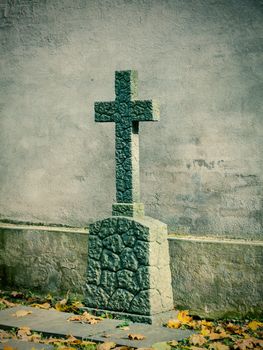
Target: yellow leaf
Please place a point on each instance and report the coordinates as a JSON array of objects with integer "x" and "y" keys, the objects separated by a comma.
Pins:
[
  {"x": 136, "y": 336},
  {"x": 61, "y": 305},
  {"x": 106, "y": 346},
  {"x": 7, "y": 303},
  {"x": 44, "y": 306},
  {"x": 205, "y": 331},
  {"x": 72, "y": 340},
  {"x": 197, "y": 339},
  {"x": 173, "y": 343},
  {"x": 234, "y": 328},
  {"x": 8, "y": 347},
  {"x": 254, "y": 325},
  {"x": 173, "y": 324},
  {"x": 184, "y": 317},
  {"x": 215, "y": 336},
  {"x": 218, "y": 346},
  {"x": 49, "y": 297},
  {"x": 196, "y": 348},
  {"x": 77, "y": 304},
  {"x": 21, "y": 313},
  {"x": 206, "y": 323}
]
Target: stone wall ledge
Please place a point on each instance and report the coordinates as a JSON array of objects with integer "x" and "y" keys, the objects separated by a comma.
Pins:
[
  {"x": 44, "y": 228},
  {"x": 214, "y": 239}
]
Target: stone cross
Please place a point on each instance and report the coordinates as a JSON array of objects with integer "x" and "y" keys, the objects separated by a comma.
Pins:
[
  {"x": 127, "y": 112},
  {"x": 128, "y": 270}
]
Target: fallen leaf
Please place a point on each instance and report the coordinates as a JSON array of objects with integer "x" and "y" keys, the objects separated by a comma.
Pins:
[
  {"x": 173, "y": 324},
  {"x": 21, "y": 313},
  {"x": 7, "y": 303},
  {"x": 44, "y": 306},
  {"x": 24, "y": 333},
  {"x": 136, "y": 336},
  {"x": 173, "y": 342},
  {"x": 184, "y": 317},
  {"x": 254, "y": 325},
  {"x": 49, "y": 297},
  {"x": 61, "y": 305},
  {"x": 4, "y": 334},
  {"x": 206, "y": 323},
  {"x": 192, "y": 347},
  {"x": 234, "y": 328},
  {"x": 85, "y": 318},
  {"x": 24, "y": 330},
  {"x": 77, "y": 304},
  {"x": 218, "y": 346},
  {"x": 72, "y": 340},
  {"x": 205, "y": 331},
  {"x": 8, "y": 347},
  {"x": 197, "y": 339},
  {"x": 249, "y": 343},
  {"x": 106, "y": 346},
  {"x": 216, "y": 336},
  {"x": 36, "y": 338}
]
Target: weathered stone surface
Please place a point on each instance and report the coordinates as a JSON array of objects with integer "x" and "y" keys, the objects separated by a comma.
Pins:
[
  {"x": 128, "y": 209},
  {"x": 130, "y": 276},
  {"x": 96, "y": 295},
  {"x": 95, "y": 247},
  {"x": 128, "y": 259},
  {"x": 143, "y": 276},
  {"x": 50, "y": 259},
  {"x": 120, "y": 300},
  {"x": 205, "y": 178},
  {"x": 141, "y": 303},
  {"x": 126, "y": 113},
  {"x": 94, "y": 272},
  {"x": 128, "y": 280},
  {"x": 223, "y": 279},
  {"x": 109, "y": 260},
  {"x": 114, "y": 243},
  {"x": 108, "y": 281},
  {"x": 141, "y": 251},
  {"x": 129, "y": 238},
  {"x": 106, "y": 228}
]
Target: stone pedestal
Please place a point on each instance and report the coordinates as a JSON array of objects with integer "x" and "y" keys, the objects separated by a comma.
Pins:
[{"x": 128, "y": 269}]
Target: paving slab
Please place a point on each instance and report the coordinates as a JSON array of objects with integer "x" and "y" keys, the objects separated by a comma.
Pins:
[
  {"x": 53, "y": 322},
  {"x": 24, "y": 345}
]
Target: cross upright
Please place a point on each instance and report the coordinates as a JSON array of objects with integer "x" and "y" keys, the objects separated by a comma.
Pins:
[{"x": 127, "y": 112}]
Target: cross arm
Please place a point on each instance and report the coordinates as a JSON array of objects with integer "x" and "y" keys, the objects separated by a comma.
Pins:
[
  {"x": 145, "y": 110},
  {"x": 104, "y": 111}
]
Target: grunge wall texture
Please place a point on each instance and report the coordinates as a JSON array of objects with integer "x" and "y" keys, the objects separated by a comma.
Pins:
[{"x": 201, "y": 165}]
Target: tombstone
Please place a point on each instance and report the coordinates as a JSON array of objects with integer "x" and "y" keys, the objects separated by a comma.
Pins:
[{"x": 128, "y": 259}]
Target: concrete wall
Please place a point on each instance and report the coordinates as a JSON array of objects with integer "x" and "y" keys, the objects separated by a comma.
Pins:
[
  {"x": 201, "y": 165},
  {"x": 47, "y": 259},
  {"x": 210, "y": 277}
]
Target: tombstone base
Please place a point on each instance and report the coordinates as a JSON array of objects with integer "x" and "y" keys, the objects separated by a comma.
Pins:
[
  {"x": 128, "y": 209},
  {"x": 128, "y": 268},
  {"x": 157, "y": 319}
]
